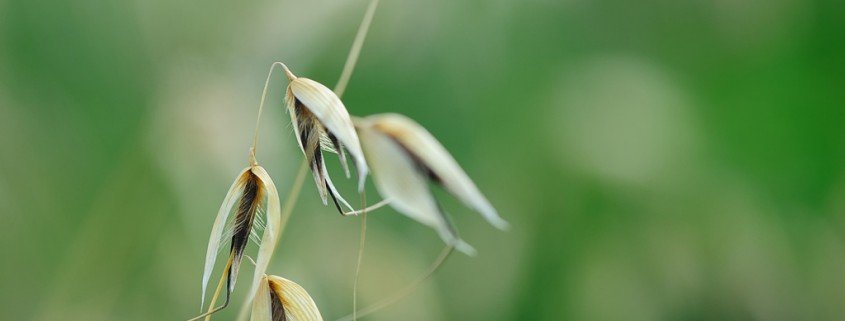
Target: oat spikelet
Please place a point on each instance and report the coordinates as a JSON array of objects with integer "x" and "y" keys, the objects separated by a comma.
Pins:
[
  {"x": 271, "y": 233},
  {"x": 235, "y": 191},
  {"x": 251, "y": 196},
  {"x": 280, "y": 299},
  {"x": 322, "y": 123},
  {"x": 404, "y": 158},
  {"x": 262, "y": 309},
  {"x": 249, "y": 191}
]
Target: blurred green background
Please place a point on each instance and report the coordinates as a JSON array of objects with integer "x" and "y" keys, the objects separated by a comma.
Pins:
[{"x": 658, "y": 160}]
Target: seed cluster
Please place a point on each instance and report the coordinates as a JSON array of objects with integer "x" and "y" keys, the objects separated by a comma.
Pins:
[{"x": 403, "y": 158}]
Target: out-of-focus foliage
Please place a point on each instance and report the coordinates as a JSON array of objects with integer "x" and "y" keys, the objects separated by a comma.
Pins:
[{"x": 657, "y": 160}]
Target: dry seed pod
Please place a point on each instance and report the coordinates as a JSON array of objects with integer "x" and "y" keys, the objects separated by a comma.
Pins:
[
  {"x": 322, "y": 124},
  {"x": 280, "y": 299},
  {"x": 252, "y": 188},
  {"x": 404, "y": 157}
]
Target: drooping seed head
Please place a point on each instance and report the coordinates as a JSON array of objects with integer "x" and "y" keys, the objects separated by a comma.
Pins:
[
  {"x": 252, "y": 188},
  {"x": 322, "y": 123},
  {"x": 280, "y": 299},
  {"x": 404, "y": 157}
]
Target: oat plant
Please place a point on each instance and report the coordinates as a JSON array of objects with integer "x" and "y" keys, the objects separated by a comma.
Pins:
[{"x": 403, "y": 158}]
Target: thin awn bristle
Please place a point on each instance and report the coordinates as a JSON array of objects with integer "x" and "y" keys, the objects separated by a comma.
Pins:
[
  {"x": 255, "y": 238},
  {"x": 338, "y": 147},
  {"x": 333, "y": 191},
  {"x": 226, "y": 239},
  {"x": 308, "y": 128},
  {"x": 318, "y": 161},
  {"x": 327, "y": 144},
  {"x": 314, "y": 138},
  {"x": 259, "y": 224},
  {"x": 259, "y": 213},
  {"x": 257, "y": 227}
]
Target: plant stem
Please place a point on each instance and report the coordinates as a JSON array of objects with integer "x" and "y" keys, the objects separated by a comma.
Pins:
[
  {"x": 404, "y": 291},
  {"x": 293, "y": 196},
  {"x": 360, "y": 255},
  {"x": 214, "y": 298},
  {"x": 252, "y": 160},
  {"x": 211, "y": 309},
  {"x": 352, "y": 59},
  {"x": 217, "y": 291},
  {"x": 339, "y": 89}
]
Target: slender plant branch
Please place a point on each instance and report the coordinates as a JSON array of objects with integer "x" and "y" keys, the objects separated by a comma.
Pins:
[
  {"x": 352, "y": 59},
  {"x": 360, "y": 255},
  {"x": 369, "y": 208},
  {"x": 214, "y": 297},
  {"x": 252, "y": 160},
  {"x": 404, "y": 291},
  {"x": 339, "y": 89},
  {"x": 211, "y": 309},
  {"x": 293, "y": 196}
]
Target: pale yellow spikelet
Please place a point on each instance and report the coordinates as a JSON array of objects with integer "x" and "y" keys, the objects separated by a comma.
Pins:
[
  {"x": 269, "y": 238},
  {"x": 331, "y": 112},
  {"x": 428, "y": 150},
  {"x": 404, "y": 157},
  {"x": 252, "y": 188},
  {"x": 322, "y": 123},
  {"x": 219, "y": 226},
  {"x": 279, "y": 299},
  {"x": 299, "y": 306},
  {"x": 261, "y": 304}
]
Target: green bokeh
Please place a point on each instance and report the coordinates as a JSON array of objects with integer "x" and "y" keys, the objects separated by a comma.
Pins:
[{"x": 658, "y": 160}]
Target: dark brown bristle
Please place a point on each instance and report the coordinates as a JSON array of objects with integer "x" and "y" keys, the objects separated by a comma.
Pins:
[
  {"x": 335, "y": 143},
  {"x": 308, "y": 130},
  {"x": 318, "y": 159}
]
